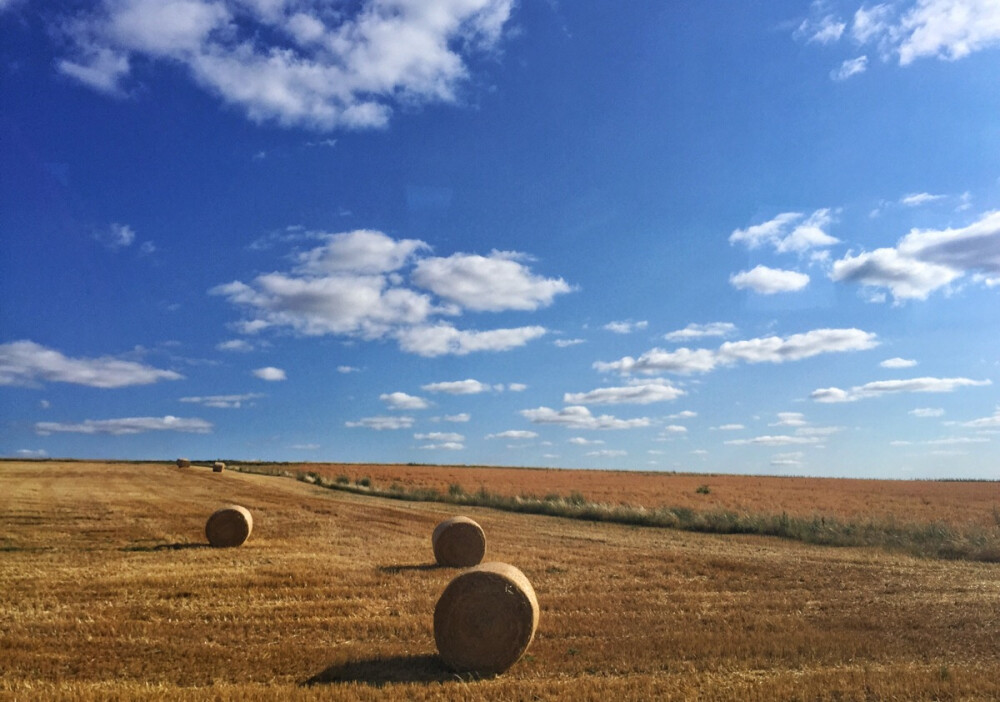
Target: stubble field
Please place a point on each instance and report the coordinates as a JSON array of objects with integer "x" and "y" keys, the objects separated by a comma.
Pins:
[{"x": 109, "y": 591}]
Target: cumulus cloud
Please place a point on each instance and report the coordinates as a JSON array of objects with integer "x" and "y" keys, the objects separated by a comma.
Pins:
[
  {"x": 946, "y": 29},
  {"x": 444, "y": 446},
  {"x": 926, "y": 260},
  {"x": 898, "y": 362},
  {"x": 31, "y": 453},
  {"x": 886, "y": 387},
  {"x": 926, "y": 412},
  {"x": 459, "y": 418},
  {"x": 788, "y": 232},
  {"x": 513, "y": 434},
  {"x": 270, "y": 373},
  {"x": 27, "y": 363},
  {"x": 625, "y": 326},
  {"x": 348, "y": 369},
  {"x": 355, "y": 285},
  {"x": 729, "y": 427},
  {"x": 126, "y": 425},
  {"x": 917, "y": 199},
  {"x": 790, "y": 419},
  {"x": 608, "y": 453},
  {"x": 238, "y": 345},
  {"x": 564, "y": 343},
  {"x": 636, "y": 393},
  {"x": 381, "y": 423},
  {"x": 773, "y": 349},
  {"x": 769, "y": 281},
  {"x": 581, "y": 441},
  {"x": 579, "y": 417},
  {"x": 458, "y": 387},
  {"x": 402, "y": 401},
  {"x": 517, "y": 387},
  {"x": 117, "y": 236},
  {"x": 223, "y": 401},
  {"x": 673, "y": 429},
  {"x": 491, "y": 283},
  {"x": 700, "y": 331},
  {"x": 290, "y": 62}
]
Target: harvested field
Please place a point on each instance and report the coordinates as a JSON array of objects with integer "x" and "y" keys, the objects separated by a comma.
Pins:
[
  {"x": 111, "y": 591},
  {"x": 956, "y": 503}
]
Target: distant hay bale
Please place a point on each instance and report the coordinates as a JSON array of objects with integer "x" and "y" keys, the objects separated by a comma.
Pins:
[
  {"x": 183, "y": 463},
  {"x": 229, "y": 526},
  {"x": 485, "y": 619},
  {"x": 218, "y": 467},
  {"x": 458, "y": 542}
]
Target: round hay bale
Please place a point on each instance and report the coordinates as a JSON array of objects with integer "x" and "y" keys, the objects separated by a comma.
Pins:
[
  {"x": 218, "y": 467},
  {"x": 485, "y": 619},
  {"x": 229, "y": 526},
  {"x": 458, "y": 542},
  {"x": 183, "y": 463}
]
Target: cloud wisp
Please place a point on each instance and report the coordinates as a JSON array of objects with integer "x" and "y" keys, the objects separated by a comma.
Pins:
[
  {"x": 126, "y": 426},
  {"x": 30, "y": 364},
  {"x": 640, "y": 393},
  {"x": 224, "y": 401},
  {"x": 579, "y": 417},
  {"x": 889, "y": 387}
]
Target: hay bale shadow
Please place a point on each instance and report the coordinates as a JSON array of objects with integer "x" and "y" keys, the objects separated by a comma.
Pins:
[
  {"x": 164, "y": 547},
  {"x": 393, "y": 569},
  {"x": 377, "y": 672}
]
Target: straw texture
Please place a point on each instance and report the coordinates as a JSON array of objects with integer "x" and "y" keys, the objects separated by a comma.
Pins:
[
  {"x": 229, "y": 526},
  {"x": 485, "y": 619},
  {"x": 218, "y": 467},
  {"x": 183, "y": 463},
  {"x": 458, "y": 542}
]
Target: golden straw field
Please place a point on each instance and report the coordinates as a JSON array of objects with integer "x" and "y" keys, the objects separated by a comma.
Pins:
[{"x": 108, "y": 590}]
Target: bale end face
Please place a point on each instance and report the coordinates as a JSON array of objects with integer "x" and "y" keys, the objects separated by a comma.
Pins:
[
  {"x": 183, "y": 463},
  {"x": 218, "y": 467},
  {"x": 485, "y": 619},
  {"x": 229, "y": 527},
  {"x": 458, "y": 542}
]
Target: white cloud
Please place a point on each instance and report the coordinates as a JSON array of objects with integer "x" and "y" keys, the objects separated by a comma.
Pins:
[
  {"x": 700, "y": 331},
  {"x": 784, "y": 237},
  {"x": 925, "y": 259},
  {"x": 381, "y": 423},
  {"x": 849, "y": 68},
  {"x": 778, "y": 440},
  {"x": 444, "y": 446},
  {"x": 288, "y": 62},
  {"x": 304, "y": 447},
  {"x": 270, "y": 373},
  {"x": 926, "y": 412},
  {"x": 625, "y": 326},
  {"x": 348, "y": 369},
  {"x": 898, "y": 362},
  {"x": 917, "y": 199},
  {"x": 516, "y": 387},
  {"x": 685, "y": 414},
  {"x": 730, "y": 427},
  {"x": 458, "y": 387},
  {"x": 402, "y": 401},
  {"x": 117, "y": 236},
  {"x": 27, "y": 363},
  {"x": 513, "y": 434},
  {"x": 773, "y": 349},
  {"x": 488, "y": 283},
  {"x": 673, "y": 429},
  {"x": 871, "y": 22},
  {"x": 636, "y": 393},
  {"x": 439, "y": 436},
  {"x": 769, "y": 281},
  {"x": 360, "y": 252},
  {"x": 790, "y": 419},
  {"x": 579, "y": 417},
  {"x": 458, "y": 418},
  {"x": 238, "y": 345},
  {"x": 444, "y": 339},
  {"x": 127, "y": 425},
  {"x": 885, "y": 387},
  {"x": 992, "y": 422},
  {"x": 608, "y": 453},
  {"x": 31, "y": 453},
  {"x": 824, "y": 29},
  {"x": 581, "y": 441},
  {"x": 223, "y": 401},
  {"x": 947, "y": 29},
  {"x": 564, "y": 343}
]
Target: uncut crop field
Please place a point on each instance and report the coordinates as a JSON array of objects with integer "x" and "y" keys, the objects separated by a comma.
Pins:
[
  {"x": 956, "y": 503},
  {"x": 111, "y": 592}
]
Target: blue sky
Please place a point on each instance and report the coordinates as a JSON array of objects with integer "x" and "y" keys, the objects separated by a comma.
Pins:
[{"x": 741, "y": 237}]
